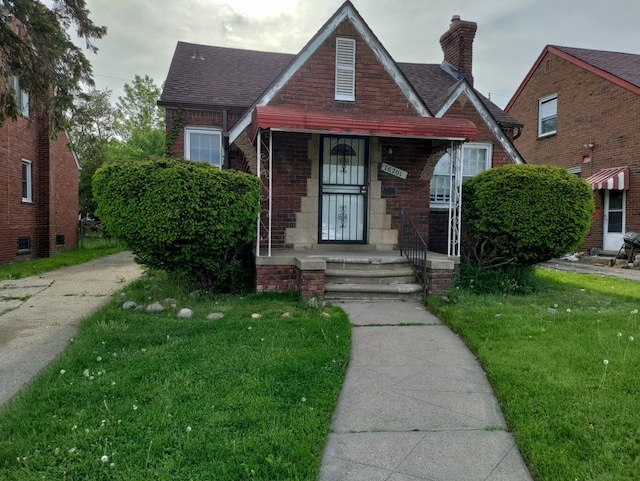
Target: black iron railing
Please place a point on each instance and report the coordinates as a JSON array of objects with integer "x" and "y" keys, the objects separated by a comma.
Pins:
[{"x": 414, "y": 248}]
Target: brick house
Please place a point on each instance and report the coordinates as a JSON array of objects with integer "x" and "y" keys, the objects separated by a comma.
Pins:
[
  {"x": 39, "y": 192},
  {"x": 582, "y": 111},
  {"x": 344, "y": 139}
]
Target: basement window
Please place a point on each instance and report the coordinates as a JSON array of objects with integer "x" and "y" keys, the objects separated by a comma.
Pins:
[
  {"x": 345, "y": 69},
  {"x": 59, "y": 240},
  {"x": 24, "y": 245}
]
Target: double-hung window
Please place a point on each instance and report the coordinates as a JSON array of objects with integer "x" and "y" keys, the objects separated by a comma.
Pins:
[
  {"x": 21, "y": 95},
  {"x": 203, "y": 145},
  {"x": 476, "y": 158},
  {"x": 27, "y": 188},
  {"x": 547, "y": 115}
]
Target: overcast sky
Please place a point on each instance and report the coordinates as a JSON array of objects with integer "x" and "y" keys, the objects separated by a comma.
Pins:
[{"x": 142, "y": 34}]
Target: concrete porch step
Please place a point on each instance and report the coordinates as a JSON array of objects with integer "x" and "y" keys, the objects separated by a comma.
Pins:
[
  {"x": 372, "y": 292},
  {"x": 399, "y": 275},
  {"x": 371, "y": 263}
]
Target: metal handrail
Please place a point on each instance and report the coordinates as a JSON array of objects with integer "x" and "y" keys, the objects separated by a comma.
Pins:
[{"x": 414, "y": 247}]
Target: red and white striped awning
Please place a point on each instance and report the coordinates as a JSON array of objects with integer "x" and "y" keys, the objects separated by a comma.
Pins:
[{"x": 615, "y": 178}]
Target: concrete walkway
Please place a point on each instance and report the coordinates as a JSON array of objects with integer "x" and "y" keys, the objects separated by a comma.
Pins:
[
  {"x": 38, "y": 315},
  {"x": 416, "y": 405}
]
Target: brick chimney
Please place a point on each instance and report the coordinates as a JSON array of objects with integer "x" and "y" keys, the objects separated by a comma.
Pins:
[{"x": 457, "y": 45}]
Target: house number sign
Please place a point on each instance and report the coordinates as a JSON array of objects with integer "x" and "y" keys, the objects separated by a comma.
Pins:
[{"x": 390, "y": 169}]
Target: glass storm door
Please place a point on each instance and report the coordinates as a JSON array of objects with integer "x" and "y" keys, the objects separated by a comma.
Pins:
[
  {"x": 343, "y": 205},
  {"x": 614, "y": 202}
]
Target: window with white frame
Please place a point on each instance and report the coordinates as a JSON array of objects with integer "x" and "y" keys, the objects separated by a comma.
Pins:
[
  {"x": 345, "y": 69},
  {"x": 22, "y": 96},
  {"x": 476, "y": 158},
  {"x": 547, "y": 115},
  {"x": 27, "y": 189},
  {"x": 203, "y": 145}
]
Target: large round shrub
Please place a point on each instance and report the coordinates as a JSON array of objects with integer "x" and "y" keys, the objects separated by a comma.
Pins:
[
  {"x": 524, "y": 214},
  {"x": 183, "y": 217}
]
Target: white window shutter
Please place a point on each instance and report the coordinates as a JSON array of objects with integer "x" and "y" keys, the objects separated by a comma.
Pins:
[{"x": 345, "y": 69}]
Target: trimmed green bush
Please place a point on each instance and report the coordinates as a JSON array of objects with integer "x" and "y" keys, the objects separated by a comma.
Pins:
[
  {"x": 524, "y": 214},
  {"x": 183, "y": 217}
]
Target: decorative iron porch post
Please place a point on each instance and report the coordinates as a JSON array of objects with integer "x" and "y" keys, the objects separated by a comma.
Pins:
[
  {"x": 455, "y": 200},
  {"x": 265, "y": 166}
]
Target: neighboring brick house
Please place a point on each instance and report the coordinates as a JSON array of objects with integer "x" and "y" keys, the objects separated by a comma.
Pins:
[
  {"x": 582, "y": 112},
  {"x": 39, "y": 188},
  {"x": 346, "y": 136}
]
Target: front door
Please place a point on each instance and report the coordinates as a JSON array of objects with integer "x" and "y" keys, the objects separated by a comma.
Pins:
[
  {"x": 343, "y": 190},
  {"x": 614, "y": 221}
]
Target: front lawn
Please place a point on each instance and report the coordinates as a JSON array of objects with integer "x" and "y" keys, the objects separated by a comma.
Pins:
[
  {"x": 564, "y": 363},
  {"x": 150, "y": 396},
  {"x": 93, "y": 247}
]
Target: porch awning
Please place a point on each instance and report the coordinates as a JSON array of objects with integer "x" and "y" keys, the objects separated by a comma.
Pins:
[
  {"x": 292, "y": 119},
  {"x": 615, "y": 178}
]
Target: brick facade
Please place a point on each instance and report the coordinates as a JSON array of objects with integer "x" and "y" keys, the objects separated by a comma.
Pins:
[
  {"x": 313, "y": 84},
  {"x": 589, "y": 108},
  {"x": 53, "y": 212}
]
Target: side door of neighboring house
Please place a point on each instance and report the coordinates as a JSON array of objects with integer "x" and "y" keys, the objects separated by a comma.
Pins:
[{"x": 614, "y": 219}]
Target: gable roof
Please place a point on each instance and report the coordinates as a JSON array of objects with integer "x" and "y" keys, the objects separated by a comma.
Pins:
[
  {"x": 622, "y": 69},
  {"x": 346, "y": 12}
]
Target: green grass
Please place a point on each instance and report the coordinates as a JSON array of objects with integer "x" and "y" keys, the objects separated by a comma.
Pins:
[
  {"x": 92, "y": 248},
  {"x": 166, "y": 398},
  {"x": 574, "y": 417}
]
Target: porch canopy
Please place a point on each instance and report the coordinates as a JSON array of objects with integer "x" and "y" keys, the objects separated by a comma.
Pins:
[
  {"x": 615, "y": 178},
  {"x": 290, "y": 119}
]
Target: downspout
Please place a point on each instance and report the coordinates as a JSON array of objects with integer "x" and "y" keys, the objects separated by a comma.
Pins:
[{"x": 225, "y": 139}]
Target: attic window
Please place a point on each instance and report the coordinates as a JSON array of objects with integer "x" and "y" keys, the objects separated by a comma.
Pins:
[{"x": 345, "y": 69}]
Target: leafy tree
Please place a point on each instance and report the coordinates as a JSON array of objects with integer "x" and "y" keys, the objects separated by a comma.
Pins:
[
  {"x": 524, "y": 214},
  {"x": 92, "y": 136},
  {"x": 139, "y": 121},
  {"x": 184, "y": 217},
  {"x": 35, "y": 47}
]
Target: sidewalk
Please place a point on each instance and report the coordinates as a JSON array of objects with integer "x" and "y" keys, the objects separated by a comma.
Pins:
[
  {"x": 38, "y": 315},
  {"x": 415, "y": 406}
]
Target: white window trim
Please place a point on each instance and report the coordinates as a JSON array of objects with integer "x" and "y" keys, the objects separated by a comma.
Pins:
[
  {"x": 21, "y": 95},
  {"x": 541, "y": 101},
  {"x": 345, "y": 69},
  {"x": 202, "y": 130},
  {"x": 444, "y": 204},
  {"x": 29, "y": 164}
]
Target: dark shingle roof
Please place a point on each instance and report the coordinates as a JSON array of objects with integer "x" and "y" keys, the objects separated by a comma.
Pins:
[
  {"x": 202, "y": 75},
  {"x": 625, "y": 66},
  {"x": 206, "y": 76}
]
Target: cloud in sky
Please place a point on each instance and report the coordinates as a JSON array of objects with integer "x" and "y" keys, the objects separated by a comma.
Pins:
[{"x": 142, "y": 34}]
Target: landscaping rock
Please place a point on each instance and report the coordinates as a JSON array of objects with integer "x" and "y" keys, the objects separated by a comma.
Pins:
[
  {"x": 326, "y": 314},
  {"x": 170, "y": 301},
  {"x": 214, "y": 316},
  {"x": 286, "y": 314},
  {"x": 127, "y": 306},
  {"x": 256, "y": 316},
  {"x": 185, "y": 313},
  {"x": 155, "y": 307}
]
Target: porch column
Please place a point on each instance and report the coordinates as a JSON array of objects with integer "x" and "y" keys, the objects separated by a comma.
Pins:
[
  {"x": 455, "y": 200},
  {"x": 264, "y": 146}
]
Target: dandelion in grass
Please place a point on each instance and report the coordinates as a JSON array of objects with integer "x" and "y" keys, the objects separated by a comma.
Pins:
[
  {"x": 135, "y": 407},
  {"x": 629, "y": 341},
  {"x": 104, "y": 458},
  {"x": 62, "y": 371},
  {"x": 99, "y": 358},
  {"x": 86, "y": 373},
  {"x": 568, "y": 310},
  {"x": 605, "y": 362},
  {"x": 72, "y": 450},
  {"x": 188, "y": 429}
]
